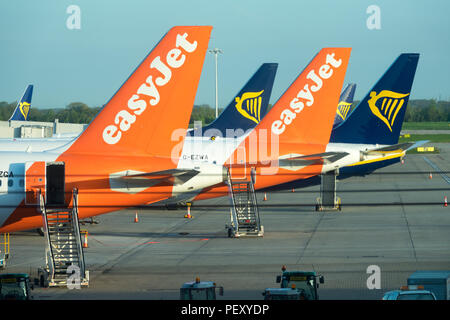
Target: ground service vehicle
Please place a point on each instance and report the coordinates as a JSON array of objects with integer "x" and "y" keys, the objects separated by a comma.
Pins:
[
  {"x": 15, "y": 286},
  {"x": 305, "y": 281},
  {"x": 283, "y": 294},
  {"x": 409, "y": 293},
  {"x": 199, "y": 290},
  {"x": 437, "y": 282}
]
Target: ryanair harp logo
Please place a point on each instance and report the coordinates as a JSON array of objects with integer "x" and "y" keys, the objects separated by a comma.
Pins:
[
  {"x": 24, "y": 108},
  {"x": 249, "y": 105},
  {"x": 388, "y": 106},
  {"x": 342, "y": 109}
]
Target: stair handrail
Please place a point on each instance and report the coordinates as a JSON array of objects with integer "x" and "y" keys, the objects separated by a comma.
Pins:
[
  {"x": 233, "y": 202},
  {"x": 48, "y": 249},
  {"x": 76, "y": 230},
  {"x": 255, "y": 204}
]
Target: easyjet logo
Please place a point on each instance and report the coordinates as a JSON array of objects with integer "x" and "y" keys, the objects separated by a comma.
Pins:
[
  {"x": 306, "y": 95},
  {"x": 147, "y": 93}
]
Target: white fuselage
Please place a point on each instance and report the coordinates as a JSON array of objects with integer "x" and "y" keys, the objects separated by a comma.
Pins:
[
  {"x": 12, "y": 177},
  {"x": 14, "y": 154}
]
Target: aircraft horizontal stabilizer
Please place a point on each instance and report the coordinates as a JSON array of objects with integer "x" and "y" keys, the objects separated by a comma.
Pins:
[
  {"x": 418, "y": 144},
  {"x": 318, "y": 158},
  {"x": 396, "y": 148},
  {"x": 132, "y": 182},
  {"x": 180, "y": 176}
]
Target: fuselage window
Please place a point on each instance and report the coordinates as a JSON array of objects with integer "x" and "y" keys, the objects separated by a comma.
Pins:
[{"x": 10, "y": 183}]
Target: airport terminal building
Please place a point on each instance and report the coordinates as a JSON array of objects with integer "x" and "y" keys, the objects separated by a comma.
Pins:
[{"x": 35, "y": 129}]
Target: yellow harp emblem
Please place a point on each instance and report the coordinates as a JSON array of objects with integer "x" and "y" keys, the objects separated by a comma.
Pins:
[
  {"x": 24, "y": 108},
  {"x": 386, "y": 105},
  {"x": 342, "y": 109},
  {"x": 249, "y": 105}
]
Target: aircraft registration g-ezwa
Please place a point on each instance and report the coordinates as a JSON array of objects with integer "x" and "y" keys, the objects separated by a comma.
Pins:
[{"x": 125, "y": 156}]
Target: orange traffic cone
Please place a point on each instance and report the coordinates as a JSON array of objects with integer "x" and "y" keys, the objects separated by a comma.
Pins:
[
  {"x": 431, "y": 176},
  {"x": 85, "y": 243},
  {"x": 293, "y": 190},
  {"x": 188, "y": 214},
  {"x": 445, "y": 201},
  {"x": 403, "y": 161},
  {"x": 265, "y": 197},
  {"x": 136, "y": 219}
]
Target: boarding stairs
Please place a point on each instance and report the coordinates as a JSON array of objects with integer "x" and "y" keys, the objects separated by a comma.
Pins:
[
  {"x": 245, "y": 219},
  {"x": 328, "y": 199},
  {"x": 65, "y": 264}
]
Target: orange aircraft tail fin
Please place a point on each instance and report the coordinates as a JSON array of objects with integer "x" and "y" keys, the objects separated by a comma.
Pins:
[
  {"x": 305, "y": 112},
  {"x": 154, "y": 101}
]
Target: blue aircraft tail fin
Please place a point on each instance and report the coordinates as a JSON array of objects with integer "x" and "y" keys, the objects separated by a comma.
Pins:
[
  {"x": 345, "y": 103},
  {"x": 23, "y": 106},
  {"x": 378, "y": 118},
  {"x": 247, "y": 108}
]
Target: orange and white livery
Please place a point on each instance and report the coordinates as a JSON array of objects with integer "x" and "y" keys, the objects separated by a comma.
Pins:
[{"x": 124, "y": 158}]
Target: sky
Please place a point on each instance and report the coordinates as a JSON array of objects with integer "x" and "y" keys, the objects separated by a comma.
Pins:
[{"x": 90, "y": 63}]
